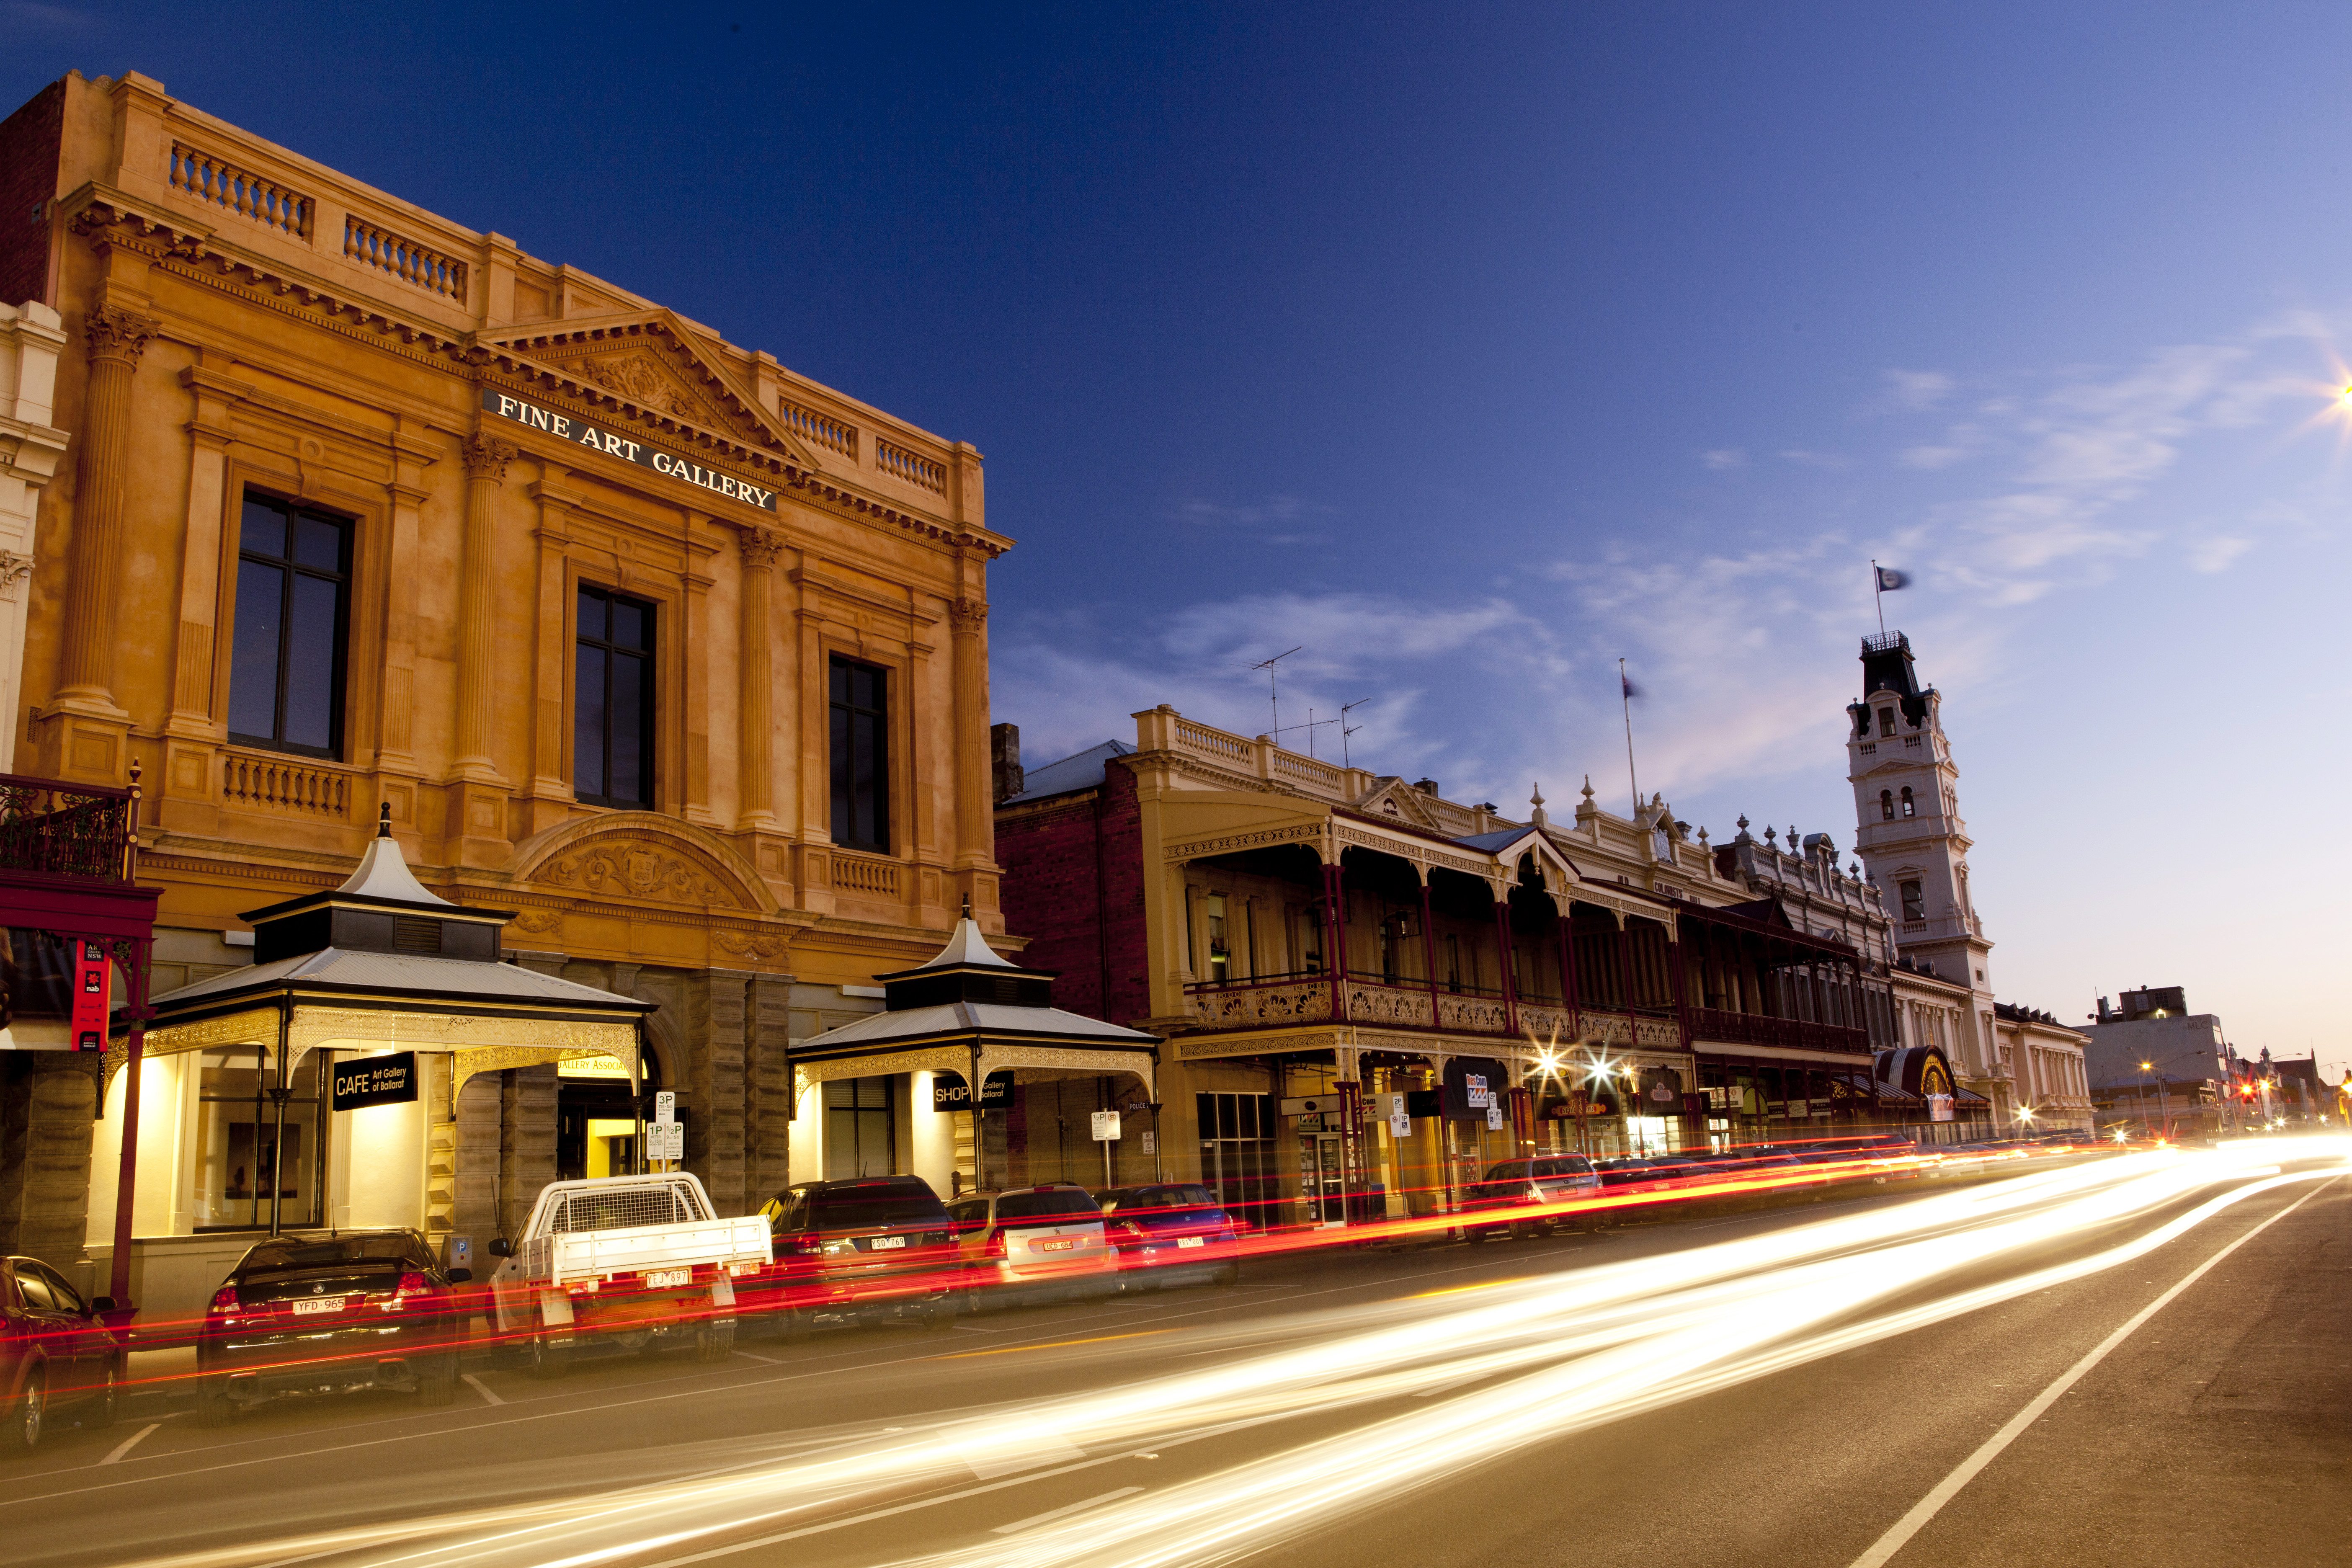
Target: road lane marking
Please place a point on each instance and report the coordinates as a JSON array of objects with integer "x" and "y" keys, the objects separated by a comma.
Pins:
[
  {"x": 483, "y": 1389},
  {"x": 128, "y": 1443},
  {"x": 1051, "y": 1514},
  {"x": 1052, "y": 1344},
  {"x": 1910, "y": 1524},
  {"x": 762, "y": 1360}
]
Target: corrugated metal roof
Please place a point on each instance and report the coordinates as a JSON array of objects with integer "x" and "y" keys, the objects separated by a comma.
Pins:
[
  {"x": 450, "y": 977},
  {"x": 1083, "y": 771}
]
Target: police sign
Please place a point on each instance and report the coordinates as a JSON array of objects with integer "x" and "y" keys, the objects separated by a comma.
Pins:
[{"x": 375, "y": 1080}]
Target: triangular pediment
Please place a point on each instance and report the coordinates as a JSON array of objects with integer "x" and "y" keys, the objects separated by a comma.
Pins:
[
  {"x": 1397, "y": 801},
  {"x": 655, "y": 361}
]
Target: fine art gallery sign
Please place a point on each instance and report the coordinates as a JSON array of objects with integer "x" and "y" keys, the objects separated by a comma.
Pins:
[{"x": 581, "y": 433}]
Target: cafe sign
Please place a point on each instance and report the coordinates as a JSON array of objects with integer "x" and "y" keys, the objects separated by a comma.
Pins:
[
  {"x": 596, "y": 438},
  {"x": 375, "y": 1080}
]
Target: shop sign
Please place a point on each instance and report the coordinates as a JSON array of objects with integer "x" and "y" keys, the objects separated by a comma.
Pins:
[
  {"x": 375, "y": 1080},
  {"x": 1105, "y": 1126},
  {"x": 1662, "y": 1092},
  {"x": 1475, "y": 1093},
  {"x": 581, "y": 433},
  {"x": 1939, "y": 1106},
  {"x": 1320, "y": 1104},
  {"x": 91, "y": 973},
  {"x": 951, "y": 1092}
]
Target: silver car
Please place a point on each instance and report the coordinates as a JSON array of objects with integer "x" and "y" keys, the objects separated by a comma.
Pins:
[{"x": 1042, "y": 1241}]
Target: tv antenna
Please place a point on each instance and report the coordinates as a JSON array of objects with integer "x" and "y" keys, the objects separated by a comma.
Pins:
[
  {"x": 1273, "y": 696},
  {"x": 1312, "y": 724},
  {"x": 1346, "y": 729}
]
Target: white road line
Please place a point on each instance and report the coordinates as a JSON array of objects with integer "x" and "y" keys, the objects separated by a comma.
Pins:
[
  {"x": 1910, "y": 1524},
  {"x": 762, "y": 1360},
  {"x": 128, "y": 1443},
  {"x": 483, "y": 1389},
  {"x": 1051, "y": 1514},
  {"x": 1437, "y": 1388}
]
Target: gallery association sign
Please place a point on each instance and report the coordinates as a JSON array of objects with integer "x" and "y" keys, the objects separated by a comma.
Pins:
[{"x": 596, "y": 438}]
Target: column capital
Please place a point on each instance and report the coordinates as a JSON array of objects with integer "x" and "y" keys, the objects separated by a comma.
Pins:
[
  {"x": 967, "y": 617},
  {"x": 760, "y": 548},
  {"x": 113, "y": 332},
  {"x": 487, "y": 457}
]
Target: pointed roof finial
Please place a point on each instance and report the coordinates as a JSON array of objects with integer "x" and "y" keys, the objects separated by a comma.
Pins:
[
  {"x": 1588, "y": 786},
  {"x": 1537, "y": 801},
  {"x": 384, "y": 870},
  {"x": 967, "y": 908}
]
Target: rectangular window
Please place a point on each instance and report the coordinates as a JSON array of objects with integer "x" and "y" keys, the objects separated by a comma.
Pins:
[
  {"x": 1237, "y": 1154},
  {"x": 613, "y": 700},
  {"x": 1915, "y": 907},
  {"x": 293, "y": 611},
  {"x": 1221, "y": 955},
  {"x": 238, "y": 1142},
  {"x": 859, "y": 1128},
  {"x": 861, "y": 757}
]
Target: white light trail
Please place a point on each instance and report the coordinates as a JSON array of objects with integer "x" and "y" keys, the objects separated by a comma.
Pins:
[{"x": 1577, "y": 1348}]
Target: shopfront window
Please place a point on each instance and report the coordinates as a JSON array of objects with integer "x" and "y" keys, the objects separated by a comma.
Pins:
[
  {"x": 1238, "y": 1159},
  {"x": 860, "y": 1131},
  {"x": 244, "y": 1167}
]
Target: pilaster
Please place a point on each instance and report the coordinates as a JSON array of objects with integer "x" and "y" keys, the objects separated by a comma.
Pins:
[
  {"x": 549, "y": 795},
  {"x": 694, "y": 649},
  {"x": 476, "y": 826}
]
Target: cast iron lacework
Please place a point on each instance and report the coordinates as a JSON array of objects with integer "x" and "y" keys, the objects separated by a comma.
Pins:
[{"x": 64, "y": 830}]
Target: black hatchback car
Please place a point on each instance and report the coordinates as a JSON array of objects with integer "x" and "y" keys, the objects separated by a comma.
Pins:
[
  {"x": 862, "y": 1250},
  {"x": 57, "y": 1354},
  {"x": 364, "y": 1309}
]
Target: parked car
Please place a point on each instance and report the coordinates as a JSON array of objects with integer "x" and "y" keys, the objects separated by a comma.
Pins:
[
  {"x": 57, "y": 1354},
  {"x": 1166, "y": 1235},
  {"x": 630, "y": 1259},
  {"x": 1521, "y": 1183},
  {"x": 1030, "y": 1242},
  {"x": 368, "y": 1309},
  {"x": 867, "y": 1250}
]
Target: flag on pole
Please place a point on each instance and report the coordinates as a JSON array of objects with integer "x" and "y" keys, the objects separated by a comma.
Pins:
[
  {"x": 1631, "y": 691},
  {"x": 1889, "y": 579}
]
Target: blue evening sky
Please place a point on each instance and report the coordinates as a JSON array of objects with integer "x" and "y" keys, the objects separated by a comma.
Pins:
[{"x": 1474, "y": 346}]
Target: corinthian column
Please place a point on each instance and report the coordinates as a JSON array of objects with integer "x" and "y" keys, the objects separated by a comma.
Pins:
[
  {"x": 755, "y": 784},
  {"x": 117, "y": 337},
  {"x": 486, "y": 470}
]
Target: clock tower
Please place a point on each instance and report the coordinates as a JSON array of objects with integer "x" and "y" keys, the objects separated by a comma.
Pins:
[{"x": 1909, "y": 832}]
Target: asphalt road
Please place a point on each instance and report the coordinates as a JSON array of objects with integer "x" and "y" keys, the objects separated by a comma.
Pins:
[{"x": 2218, "y": 1430}]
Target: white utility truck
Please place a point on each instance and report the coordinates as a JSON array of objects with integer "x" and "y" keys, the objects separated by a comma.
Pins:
[{"x": 633, "y": 1258}]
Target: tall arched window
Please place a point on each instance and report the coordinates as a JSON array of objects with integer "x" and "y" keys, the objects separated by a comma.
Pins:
[
  {"x": 1886, "y": 804},
  {"x": 1908, "y": 809}
]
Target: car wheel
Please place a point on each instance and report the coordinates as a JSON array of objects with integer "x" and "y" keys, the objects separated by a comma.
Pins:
[
  {"x": 440, "y": 1387},
  {"x": 106, "y": 1403},
  {"x": 941, "y": 1315},
  {"x": 796, "y": 1328},
  {"x": 543, "y": 1357},
  {"x": 22, "y": 1430},
  {"x": 1229, "y": 1276},
  {"x": 1474, "y": 1233},
  {"x": 1526, "y": 1229},
  {"x": 714, "y": 1339},
  {"x": 214, "y": 1406}
]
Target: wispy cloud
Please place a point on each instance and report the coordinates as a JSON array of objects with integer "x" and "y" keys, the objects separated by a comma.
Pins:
[
  {"x": 1724, "y": 457},
  {"x": 1275, "y": 520},
  {"x": 1831, "y": 460},
  {"x": 2211, "y": 555},
  {"x": 1917, "y": 389}
]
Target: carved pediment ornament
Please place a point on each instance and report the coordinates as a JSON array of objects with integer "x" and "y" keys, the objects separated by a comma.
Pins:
[
  {"x": 759, "y": 947},
  {"x": 14, "y": 569},
  {"x": 636, "y": 377},
  {"x": 633, "y": 868}
]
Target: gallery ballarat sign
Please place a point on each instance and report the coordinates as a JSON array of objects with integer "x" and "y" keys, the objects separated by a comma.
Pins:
[{"x": 375, "y": 1080}]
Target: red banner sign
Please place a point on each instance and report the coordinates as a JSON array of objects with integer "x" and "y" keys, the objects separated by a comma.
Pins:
[{"x": 91, "y": 973}]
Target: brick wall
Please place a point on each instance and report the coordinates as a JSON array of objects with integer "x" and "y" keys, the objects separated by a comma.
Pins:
[
  {"x": 1074, "y": 886},
  {"x": 30, "y": 141}
]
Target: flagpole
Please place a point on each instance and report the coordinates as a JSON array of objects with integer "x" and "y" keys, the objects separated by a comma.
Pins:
[
  {"x": 1625, "y": 696},
  {"x": 1878, "y": 594}
]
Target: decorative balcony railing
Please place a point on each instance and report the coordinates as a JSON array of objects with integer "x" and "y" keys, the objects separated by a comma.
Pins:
[
  {"x": 1251, "y": 1006},
  {"x": 55, "y": 829},
  {"x": 278, "y": 783},
  {"x": 1756, "y": 1029},
  {"x": 911, "y": 466},
  {"x": 250, "y": 196}
]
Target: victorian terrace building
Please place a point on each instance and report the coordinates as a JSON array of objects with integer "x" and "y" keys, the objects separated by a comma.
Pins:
[
  {"x": 1349, "y": 969},
  {"x": 676, "y": 656}
]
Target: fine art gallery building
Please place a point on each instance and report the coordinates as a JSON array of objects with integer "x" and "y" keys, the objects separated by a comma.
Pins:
[{"x": 669, "y": 666}]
